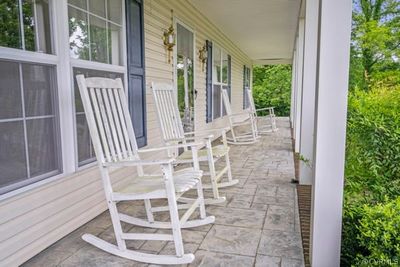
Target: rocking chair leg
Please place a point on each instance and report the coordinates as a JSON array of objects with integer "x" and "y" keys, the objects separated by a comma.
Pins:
[
  {"x": 149, "y": 213},
  {"x": 175, "y": 223},
  {"x": 212, "y": 171},
  {"x": 112, "y": 207},
  {"x": 228, "y": 165}
]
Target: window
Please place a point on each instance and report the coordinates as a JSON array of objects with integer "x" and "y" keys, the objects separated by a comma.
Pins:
[
  {"x": 184, "y": 76},
  {"x": 95, "y": 42},
  {"x": 220, "y": 79},
  {"x": 26, "y": 25},
  {"x": 95, "y": 30},
  {"x": 29, "y": 124},
  {"x": 246, "y": 86},
  {"x": 84, "y": 145}
]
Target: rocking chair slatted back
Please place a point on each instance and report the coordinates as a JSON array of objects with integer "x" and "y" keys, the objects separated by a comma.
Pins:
[
  {"x": 227, "y": 102},
  {"x": 107, "y": 111},
  {"x": 251, "y": 101},
  {"x": 168, "y": 112}
]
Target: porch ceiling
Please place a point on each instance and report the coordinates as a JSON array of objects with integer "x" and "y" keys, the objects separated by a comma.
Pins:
[{"x": 264, "y": 29}]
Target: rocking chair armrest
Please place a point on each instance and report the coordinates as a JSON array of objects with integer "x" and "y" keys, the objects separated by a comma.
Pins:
[
  {"x": 208, "y": 131},
  {"x": 155, "y": 149},
  {"x": 267, "y": 108},
  {"x": 135, "y": 162},
  {"x": 240, "y": 114},
  {"x": 193, "y": 138}
]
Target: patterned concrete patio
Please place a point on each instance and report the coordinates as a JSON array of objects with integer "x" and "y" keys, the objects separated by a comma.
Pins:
[{"x": 258, "y": 225}]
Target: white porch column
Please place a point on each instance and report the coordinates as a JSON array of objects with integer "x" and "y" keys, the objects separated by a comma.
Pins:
[
  {"x": 308, "y": 96},
  {"x": 299, "y": 82},
  {"x": 293, "y": 92},
  {"x": 330, "y": 131}
]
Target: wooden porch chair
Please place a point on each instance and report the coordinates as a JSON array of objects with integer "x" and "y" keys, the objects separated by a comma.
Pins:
[
  {"x": 173, "y": 133},
  {"x": 265, "y": 124},
  {"x": 113, "y": 138},
  {"x": 248, "y": 132}
]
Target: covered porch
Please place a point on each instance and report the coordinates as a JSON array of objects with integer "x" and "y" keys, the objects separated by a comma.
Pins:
[
  {"x": 42, "y": 218},
  {"x": 258, "y": 225}
]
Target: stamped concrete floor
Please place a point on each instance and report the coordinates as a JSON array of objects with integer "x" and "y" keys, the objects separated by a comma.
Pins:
[{"x": 258, "y": 225}]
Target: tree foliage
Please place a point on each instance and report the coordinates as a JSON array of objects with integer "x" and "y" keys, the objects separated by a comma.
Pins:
[
  {"x": 272, "y": 87},
  {"x": 375, "y": 47}
]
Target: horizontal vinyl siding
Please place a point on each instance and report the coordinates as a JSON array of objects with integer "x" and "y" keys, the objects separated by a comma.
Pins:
[{"x": 32, "y": 221}]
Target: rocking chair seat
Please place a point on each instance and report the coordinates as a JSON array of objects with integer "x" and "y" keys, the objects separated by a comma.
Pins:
[
  {"x": 184, "y": 180},
  {"x": 218, "y": 151}
]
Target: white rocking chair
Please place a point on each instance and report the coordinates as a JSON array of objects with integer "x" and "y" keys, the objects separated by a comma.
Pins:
[
  {"x": 115, "y": 145},
  {"x": 263, "y": 126},
  {"x": 244, "y": 119},
  {"x": 173, "y": 133}
]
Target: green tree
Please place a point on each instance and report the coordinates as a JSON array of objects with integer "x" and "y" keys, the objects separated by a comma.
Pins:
[
  {"x": 375, "y": 48},
  {"x": 272, "y": 87}
]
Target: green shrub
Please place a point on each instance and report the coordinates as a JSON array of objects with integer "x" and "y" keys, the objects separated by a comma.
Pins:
[
  {"x": 379, "y": 235},
  {"x": 372, "y": 180},
  {"x": 272, "y": 87}
]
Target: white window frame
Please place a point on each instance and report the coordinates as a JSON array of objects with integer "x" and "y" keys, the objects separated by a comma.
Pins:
[
  {"x": 64, "y": 64},
  {"x": 94, "y": 65},
  {"x": 223, "y": 52},
  {"x": 177, "y": 21},
  {"x": 24, "y": 56}
]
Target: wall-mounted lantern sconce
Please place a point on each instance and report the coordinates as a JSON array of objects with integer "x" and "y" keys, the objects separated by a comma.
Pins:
[
  {"x": 169, "y": 37},
  {"x": 203, "y": 56}
]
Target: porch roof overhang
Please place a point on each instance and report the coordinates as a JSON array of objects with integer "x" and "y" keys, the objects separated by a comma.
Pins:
[{"x": 263, "y": 29}]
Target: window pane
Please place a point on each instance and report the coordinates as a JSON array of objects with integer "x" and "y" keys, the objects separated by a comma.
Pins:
[
  {"x": 114, "y": 9},
  {"x": 38, "y": 84},
  {"x": 38, "y": 138},
  {"x": 10, "y": 30},
  {"x": 85, "y": 148},
  {"x": 225, "y": 68},
  {"x": 79, "y": 3},
  {"x": 216, "y": 101},
  {"x": 217, "y": 65},
  {"x": 42, "y": 146},
  {"x": 78, "y": 34},
  {"x": 114, "y": 47},
  {"x": 10, "y": 90},
  {"x": 98, "y": 40},
  {"x": 36, "y": 25},
  {"x": 43, "y": 26},
  {"x": 83, "y": 139},
  {"x": 98, "y": 7},
  {"x": 12, "y": 153}
]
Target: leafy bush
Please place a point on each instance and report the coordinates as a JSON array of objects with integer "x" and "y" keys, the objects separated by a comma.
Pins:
[
  {"x": 379, "y": 234},
  {"x": 272, "y": 87},
  {"x": 372, "y": 177}
]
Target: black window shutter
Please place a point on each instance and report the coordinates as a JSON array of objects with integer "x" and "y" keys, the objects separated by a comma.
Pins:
[
  {"x": 230, "y": 77},
  {"x": 244, "y": 86},
  {"x": 209, "y": 82},
  {"x": 136, "y": 74}
]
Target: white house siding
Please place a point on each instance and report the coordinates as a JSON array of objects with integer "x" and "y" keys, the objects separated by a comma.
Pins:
[{"x": 35, "y": 219}]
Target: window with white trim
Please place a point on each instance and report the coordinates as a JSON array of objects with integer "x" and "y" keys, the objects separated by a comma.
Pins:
[
  {"x": 95, "y": 30},
  {"x": 95, "y": 41},
  {"x": 220, "y": 79},
  {"x": 246, "y": 86},
  {"x": 25, "y": 24},
  {"x": 30, "y": 140}
]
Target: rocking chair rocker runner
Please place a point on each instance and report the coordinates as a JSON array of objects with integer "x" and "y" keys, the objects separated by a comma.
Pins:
[
  {"x": 263, "y": 126},
  {"x": 242, "y": 119},
  {"x": 112, "y": 134},
  {"x": 173, "y": 133}
]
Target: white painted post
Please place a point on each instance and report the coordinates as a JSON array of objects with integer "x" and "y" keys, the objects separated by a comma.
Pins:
[
  {"x": 300, "y": 53},
  {"x": 308, "y": 97},
  {"x": 293, "y": 93},
  {"x": 330, "y": 131}
]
